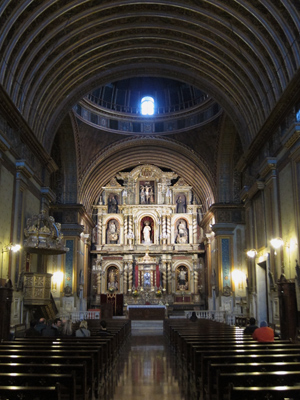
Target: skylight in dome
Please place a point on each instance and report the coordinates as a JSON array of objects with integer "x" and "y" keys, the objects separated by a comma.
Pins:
[{"x": 147, "y": 105}]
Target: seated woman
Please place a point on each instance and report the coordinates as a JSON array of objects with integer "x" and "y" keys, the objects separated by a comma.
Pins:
[{"x": 83, "y": 331}]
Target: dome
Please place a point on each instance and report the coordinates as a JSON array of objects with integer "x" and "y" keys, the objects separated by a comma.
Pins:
[{"x": 116, "y": 107}]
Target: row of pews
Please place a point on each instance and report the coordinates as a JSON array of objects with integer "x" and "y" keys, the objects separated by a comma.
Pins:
[
  {"x": 219, "y": 362},
  {"x": 63, "y": 368}
]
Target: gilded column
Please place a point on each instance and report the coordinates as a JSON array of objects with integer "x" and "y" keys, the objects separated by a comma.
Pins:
[
  {"x": 164, "y": 274},
  {"x": 196, "y": 279},
  {"x": 125, "y": 282},
  {"x": 169, "y": 229},
  {"x": 130, "y": 277},
  {"x": 194, "y": 228},
  {"x": 169, "y": 278},
  {"x": 125, "y": 230},
  {"x": 99, "y": 230}
]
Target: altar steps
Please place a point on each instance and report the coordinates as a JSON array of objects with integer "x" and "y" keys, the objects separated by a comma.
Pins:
[{"x": 139, "y": 327}]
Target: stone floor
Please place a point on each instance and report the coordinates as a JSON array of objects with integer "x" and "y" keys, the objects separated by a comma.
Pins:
[{"x": 146, "y": 368}]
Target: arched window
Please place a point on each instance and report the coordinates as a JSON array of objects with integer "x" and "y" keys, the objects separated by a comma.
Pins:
[{"x": 147, "y": 105}]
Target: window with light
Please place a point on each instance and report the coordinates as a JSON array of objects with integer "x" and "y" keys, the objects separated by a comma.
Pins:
[{"x": 147, "y": 105}]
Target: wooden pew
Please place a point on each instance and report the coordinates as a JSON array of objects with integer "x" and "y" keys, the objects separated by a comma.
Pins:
[
  {"x": 230, "y": 359},
  {"x": 263, "y": 393},
  {"x": 31, "y": 392},
  {"x": 261, "y": 379},
  {"x": 34, "y": 358},
  {"x": 80, "y": 370},
  {"x": 217, "y": 368},
  {"x": 67, "y": 381}
]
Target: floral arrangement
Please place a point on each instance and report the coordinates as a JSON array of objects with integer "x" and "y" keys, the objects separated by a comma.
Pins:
[
  {"x": 158, "y": 293},
  {"x": 135, "y": 293}
]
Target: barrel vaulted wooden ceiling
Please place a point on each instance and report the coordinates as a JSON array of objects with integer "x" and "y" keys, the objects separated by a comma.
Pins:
[{"x": 244, "y": 54}]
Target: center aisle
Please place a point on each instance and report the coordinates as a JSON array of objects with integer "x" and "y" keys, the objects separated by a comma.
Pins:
[{"x": 146, "y": 369}]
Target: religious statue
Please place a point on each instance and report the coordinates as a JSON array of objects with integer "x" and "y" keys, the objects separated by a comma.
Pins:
[
  {"x": 182, "y": 279},
  {"x": 112, "y": 234},
  {"x": 182, "y": 235},
  {"x": 147, "y": 232},
  {"x": 181, "y": 205},
  {"x": 112, "y": 279},
  {"x": 112, "y": 204},
  {"x": 142, "y": 194}
]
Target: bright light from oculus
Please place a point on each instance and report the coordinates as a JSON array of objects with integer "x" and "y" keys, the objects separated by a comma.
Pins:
[{"x": 147, "y": 104}]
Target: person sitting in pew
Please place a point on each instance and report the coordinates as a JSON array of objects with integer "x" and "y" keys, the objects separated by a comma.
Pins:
[
  {"x": 264, "y": 333},
  {"x": 83, "y": 330},
  {"x": 54, "y": 329},
  {"x": 103, "y": 330},
  {"x": 250, "y": 328},
  {"x": 41, "y": 325},
  {"x": 31, "y": 332},
  {"x": 193, "y": 317}
]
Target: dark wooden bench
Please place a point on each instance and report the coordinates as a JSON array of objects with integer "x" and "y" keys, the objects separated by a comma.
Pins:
[
  {"x": 206, "y": 382},
  {"x": 31, "y": 392},
  {"x": 34, "y": 358},
  {"x": 217, "y": 368},
  {"x": 263, "y": 393},
  {"x": 67, "y": 381},
  {"x": 80, "y": 371},
  {"x": 261, "y": 379}
]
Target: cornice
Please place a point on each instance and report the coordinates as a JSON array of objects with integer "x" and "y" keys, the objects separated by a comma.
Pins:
[{"x": 16, "y": 120}]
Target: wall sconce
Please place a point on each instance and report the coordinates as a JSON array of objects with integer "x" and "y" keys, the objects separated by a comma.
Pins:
[
  {"x": 276, "y": 243},
  {"x": 251, "y": 253},
  {"x": 9, "y": 247}
]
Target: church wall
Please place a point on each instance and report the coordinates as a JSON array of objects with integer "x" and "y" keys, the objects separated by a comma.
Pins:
[
  {"x": 6, "y": 203},
  {"x": 288, "y": 227}
]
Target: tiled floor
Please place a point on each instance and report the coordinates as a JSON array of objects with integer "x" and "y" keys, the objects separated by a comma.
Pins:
[{"x": 146, "y": 370}]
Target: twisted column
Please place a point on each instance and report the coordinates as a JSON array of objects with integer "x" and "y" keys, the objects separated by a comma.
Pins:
[
  {"x": 196, "y": 278},
  {"x": 169, "y": 278},
  {"x": 164, "y": 275},
  {"x": 99, "y": 230},
  {"x": 194, "y": 229},
  {"x": 125, "y": 280},
  {"x": 169, "y": 229},
  {"x": 125, "y": 230},
  {"x": 129, "y": 277}
]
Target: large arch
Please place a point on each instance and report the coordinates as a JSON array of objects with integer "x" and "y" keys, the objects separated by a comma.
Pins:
[{"x": 157, "y": 151}]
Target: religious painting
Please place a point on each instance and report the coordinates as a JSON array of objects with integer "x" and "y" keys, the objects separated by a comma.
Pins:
[
  {"x": 112, "y": 279},
  {"x": 112, "y": 232},
  {"x": 147, "y": 230},
  {"x": 146, "y": 192},
  {"x": 112, "y": 203},
  {"x": 180, "y": 203},
  {"x": 182, "y": 278},
  {"x": 182, "y": 233}
]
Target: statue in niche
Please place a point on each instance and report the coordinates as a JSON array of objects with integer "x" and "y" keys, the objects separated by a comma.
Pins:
[
  {"x": 146, "y": 192},
  {"x": 112, "y": 279},
  {"x": 182, "y": 233},
  {"x": 182, "y": 278},
  {"x": 147, "y": 232},
  {"x": 147, "y": 279},
  {"x": 181, "y": 204},
  {"x": 112, "y": 232},
  {"x": 112, "y": 204},
  {"x": 142, "y": 194}
]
